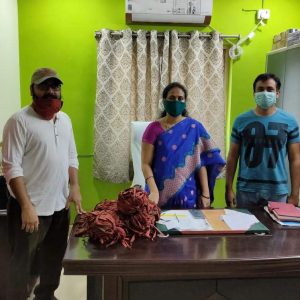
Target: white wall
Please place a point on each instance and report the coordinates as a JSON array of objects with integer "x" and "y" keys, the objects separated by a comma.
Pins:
[{"x": 9, "y": 61}]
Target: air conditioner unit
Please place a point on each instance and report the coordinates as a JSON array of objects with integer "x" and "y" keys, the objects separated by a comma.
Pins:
[{"x": 188, "y": 12}]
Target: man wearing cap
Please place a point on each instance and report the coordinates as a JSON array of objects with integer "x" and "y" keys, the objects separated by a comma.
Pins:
[{"x": 40, "y": 166}]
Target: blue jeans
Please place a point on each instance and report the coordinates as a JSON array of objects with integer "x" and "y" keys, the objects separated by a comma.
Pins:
[{"x": 255, "y": 199}]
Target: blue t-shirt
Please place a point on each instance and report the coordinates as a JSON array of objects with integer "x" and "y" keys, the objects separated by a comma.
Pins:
[{"x": 263, "y": 144}]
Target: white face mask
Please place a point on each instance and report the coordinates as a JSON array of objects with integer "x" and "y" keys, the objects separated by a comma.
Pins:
[{"x": 265, "y": 99}]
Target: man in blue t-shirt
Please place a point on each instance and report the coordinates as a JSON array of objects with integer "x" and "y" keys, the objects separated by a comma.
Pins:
[{"x": 260, "y": 139}]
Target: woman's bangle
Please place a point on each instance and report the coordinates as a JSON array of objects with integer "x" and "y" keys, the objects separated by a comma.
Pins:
[
  {"x": 205, "y": 197},
  {"x": 148, "y": 178}
]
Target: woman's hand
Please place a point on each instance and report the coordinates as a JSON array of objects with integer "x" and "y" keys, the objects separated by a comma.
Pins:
[
  {"x": 205, "y": 200},
  {"x": 154, "y": 197}
]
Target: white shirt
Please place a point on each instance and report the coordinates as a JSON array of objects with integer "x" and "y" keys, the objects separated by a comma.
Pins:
[{"x": 41, "y": 151}]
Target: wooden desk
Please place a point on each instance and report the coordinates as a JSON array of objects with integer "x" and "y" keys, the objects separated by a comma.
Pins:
[{"x": 239, "y": 267}]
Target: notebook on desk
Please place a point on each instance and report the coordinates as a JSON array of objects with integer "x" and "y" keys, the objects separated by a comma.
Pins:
[
  {"x": 283, "y": 223},
  {"x": 209, "y": 221},
  {"x": 284, "y": 211}
]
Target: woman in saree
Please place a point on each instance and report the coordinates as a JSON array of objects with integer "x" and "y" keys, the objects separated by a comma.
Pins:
[{"x": 180, "y": 162}]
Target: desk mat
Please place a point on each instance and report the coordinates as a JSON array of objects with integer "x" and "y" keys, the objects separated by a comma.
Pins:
[{"x": 214, "y": 219}]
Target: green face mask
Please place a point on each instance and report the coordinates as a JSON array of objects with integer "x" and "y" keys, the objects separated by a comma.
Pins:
[{"x": 174, "y": 108}]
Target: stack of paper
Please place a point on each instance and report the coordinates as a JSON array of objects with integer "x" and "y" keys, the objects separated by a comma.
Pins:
[
  {"x": 284, "y": 211},
  {"x": 237, "y": 220},
  {"x": 183, "y": 220}
]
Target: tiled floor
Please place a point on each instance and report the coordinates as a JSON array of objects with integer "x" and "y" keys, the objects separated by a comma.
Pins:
[{"x": 70, "y": 288}]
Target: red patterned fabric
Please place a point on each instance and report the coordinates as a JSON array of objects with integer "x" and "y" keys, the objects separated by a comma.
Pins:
[{"x": 131, "y": 216}]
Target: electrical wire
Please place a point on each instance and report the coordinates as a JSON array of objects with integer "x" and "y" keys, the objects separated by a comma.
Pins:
[{"x": 236, "y": 50}]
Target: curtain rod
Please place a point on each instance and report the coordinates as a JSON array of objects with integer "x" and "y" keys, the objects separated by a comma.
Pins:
[{"x": 180, "y": 35}]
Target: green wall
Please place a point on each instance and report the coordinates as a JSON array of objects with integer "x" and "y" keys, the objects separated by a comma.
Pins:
[{"x": 60, "y": 34}]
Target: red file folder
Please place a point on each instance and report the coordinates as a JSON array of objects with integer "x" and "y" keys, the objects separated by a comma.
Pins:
[{"x": 284, "y": 211}]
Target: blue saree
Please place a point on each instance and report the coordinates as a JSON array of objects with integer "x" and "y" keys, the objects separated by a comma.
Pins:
[{"x": 178, "y": 155}]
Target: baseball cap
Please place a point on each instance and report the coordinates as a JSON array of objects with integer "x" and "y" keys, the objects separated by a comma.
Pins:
[{"x": 42, "y": 74}]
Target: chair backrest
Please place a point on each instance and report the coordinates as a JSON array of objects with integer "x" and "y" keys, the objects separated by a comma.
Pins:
[{"x": 137, "y": 131}]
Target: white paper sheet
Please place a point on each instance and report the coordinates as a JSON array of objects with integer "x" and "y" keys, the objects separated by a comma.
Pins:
[
  {"x": 238, "y": 220},
  {"x": 183, "y": 220}
]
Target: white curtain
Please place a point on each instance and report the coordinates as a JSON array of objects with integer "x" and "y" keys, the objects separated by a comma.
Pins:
[{"x": 131, "y": 75}]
